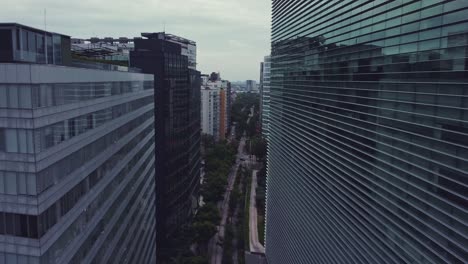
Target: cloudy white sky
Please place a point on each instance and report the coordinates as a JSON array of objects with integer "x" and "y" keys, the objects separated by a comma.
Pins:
[{"x": 232, "y": 35}]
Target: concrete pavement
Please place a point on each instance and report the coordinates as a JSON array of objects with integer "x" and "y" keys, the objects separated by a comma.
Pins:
[{"x": 255, "y": 245}]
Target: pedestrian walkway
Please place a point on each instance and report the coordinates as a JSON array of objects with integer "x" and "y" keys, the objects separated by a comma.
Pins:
[{"x": 255, "y": 245}]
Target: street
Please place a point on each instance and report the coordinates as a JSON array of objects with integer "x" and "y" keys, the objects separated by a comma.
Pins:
[{"x": 215, "y": 249}]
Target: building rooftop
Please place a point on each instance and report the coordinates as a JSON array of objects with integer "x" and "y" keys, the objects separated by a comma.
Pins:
[
  {"x": 29, "y": 28},
  {"x": 170, "y": 37}
]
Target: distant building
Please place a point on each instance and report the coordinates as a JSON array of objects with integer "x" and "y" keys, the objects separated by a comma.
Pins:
[
  {"x": 214, "y": 77},
  {"x": 251, "y": 86},
  {"x": 177, "y": 124},
  {"x": 118, "y": 49},
  {"x": 215, "y": 106},
  {"x": 103, "y": 49},
  {"x": 76, "y": 156},
  {"x": 210, "y": 113}
]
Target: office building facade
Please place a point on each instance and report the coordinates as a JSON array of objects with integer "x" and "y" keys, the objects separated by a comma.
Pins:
[
  {"x": 368, "y": 144},
  {"x": 76, "y": 158},
  {"x": 177, "y": 124},
  {"x": 265, "y": 95}
]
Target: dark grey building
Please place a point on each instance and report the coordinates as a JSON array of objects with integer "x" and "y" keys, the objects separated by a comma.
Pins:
[
  {"x": 77, "y": 158},
  {"x": 177, "y": 124},
  {"x": 368, "y": 144}
]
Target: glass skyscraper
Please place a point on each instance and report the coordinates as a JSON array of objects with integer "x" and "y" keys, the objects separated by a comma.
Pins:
[
  {"x": 368, "y": 144},
  {"x": 177, "y": 126},
  {"x": 265, "y": 95},
  {"x": 77, "y": 163}
]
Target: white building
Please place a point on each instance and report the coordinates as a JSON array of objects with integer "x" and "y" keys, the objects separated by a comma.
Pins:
[
  {"x": 210, "y": 111},
  {"x": 215, "y": 107}
]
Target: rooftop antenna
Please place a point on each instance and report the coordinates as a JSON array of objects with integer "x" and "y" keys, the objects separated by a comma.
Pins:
[{"x": 164, "y": 26}]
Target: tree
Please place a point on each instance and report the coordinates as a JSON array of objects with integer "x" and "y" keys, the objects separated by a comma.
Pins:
[
  {"x": 259, "y": 148},
  {"x": 214, "y": 188},
  {"x": 208, "y": 213},
  {"x": 195, "y": 260},
  {"x": 203, "y": 231}
]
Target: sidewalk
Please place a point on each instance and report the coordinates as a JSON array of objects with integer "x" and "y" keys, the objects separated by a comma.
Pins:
[{"x": 255, "y": 245}]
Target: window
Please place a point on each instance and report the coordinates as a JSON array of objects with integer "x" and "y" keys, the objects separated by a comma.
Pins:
[
  {"x": 2, "y": 139},
  {"x": 2, "y": 182},
  {"x": 11, "y": 258},
  {"x": 22, "y": 141},
  {"x": 22, "y": 183},
  {"x": 10, "y": 183},
  {"x": 31, "y": 184},
  {"x": 11, "y": 140},
  {"x": 13, "y": 96},
  {"x": 3, "y": 96},
  {"x": 90, "y": 121},
  {"x": 24, "y": 40},
  {"x": 71, "y": 128},
  {"x": 31, "y": 42},
  {"x": 25, "y": 99},
  {"x": 18, "y": 39}
]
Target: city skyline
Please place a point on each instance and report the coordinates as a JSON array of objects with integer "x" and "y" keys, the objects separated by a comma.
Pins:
[
  {"x": 215, "y": 131},
  {"x": 242, "y": 39}
]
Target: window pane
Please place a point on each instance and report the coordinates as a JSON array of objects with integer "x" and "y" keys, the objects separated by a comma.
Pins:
[
  {"x": 2, "y": 224},
  {"x": 33, "y": 260},
  {"x": 24, "y": 39},
  {"x": 10, "y": 258},
  {"x": 2, "y": 182},
  {"x": 11, "y": 140},
  {"x": 22, "y": 141},
  {"x": 3, "y": 96},
  {"x": 22, "y": 259},
  {"x": 31, "y": 183},
  {"x": 29, "y": 135},
  {"x": 32, "y": 42},
  {"x": 22, "y": 183},
  {"x": 13, "y": 96},
  {"x": 25, "y": 96},
  {"x": 10, "y": 183},
  {"x": 2, "y": 139}
]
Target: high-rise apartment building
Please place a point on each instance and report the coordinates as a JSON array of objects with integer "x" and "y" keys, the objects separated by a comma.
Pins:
[
  {"x": 210, "y": 111},
  {"x": 368, "y": 144},
  {"x": 77, "y": 158},
  {"x": 251, "y": 86},
  {"x": 265, "y": 95},
  {"x": 215, "y": 106},
  {"x": 177, "y": 124}
]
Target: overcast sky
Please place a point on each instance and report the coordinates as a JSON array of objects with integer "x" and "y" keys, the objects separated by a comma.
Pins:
[{"x": 232, "y": 35}]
